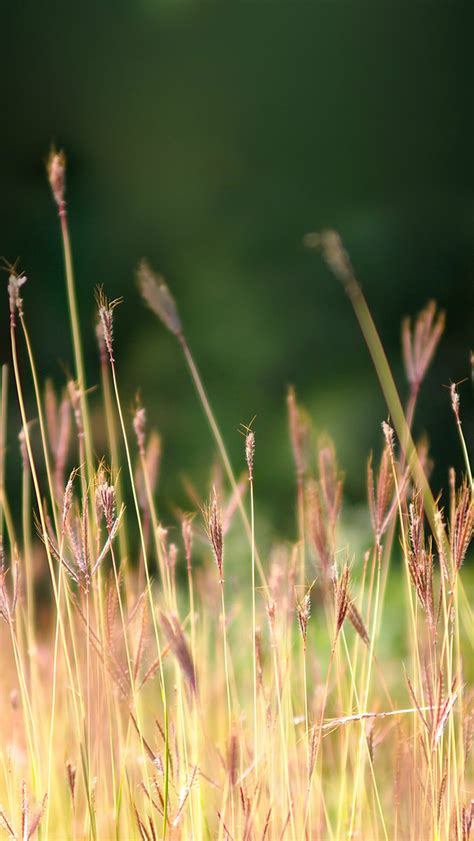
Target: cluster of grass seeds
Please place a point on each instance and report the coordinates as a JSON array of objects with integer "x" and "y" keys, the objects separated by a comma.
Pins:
[{"x": 142, "y": 703}]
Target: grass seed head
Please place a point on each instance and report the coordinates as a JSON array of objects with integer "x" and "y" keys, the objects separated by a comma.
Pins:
[
  {"x": 419, "y": 343},
  {"x": 56, "y": 168},
  {"x": 342, "y": 597},
  {"x": 250, "y": 452},
  {"x": 15, "y": 282},
  {"x": 158, "y": 297},
  {"x": 213, "y": 523},
  {"x": 106, "y": 315}
]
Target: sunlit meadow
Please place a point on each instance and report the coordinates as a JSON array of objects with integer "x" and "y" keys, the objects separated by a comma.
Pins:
[{"x": 320, "y": 692}]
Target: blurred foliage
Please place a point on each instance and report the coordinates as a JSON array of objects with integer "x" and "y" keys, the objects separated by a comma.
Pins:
[{"x": 211, "y": 138}]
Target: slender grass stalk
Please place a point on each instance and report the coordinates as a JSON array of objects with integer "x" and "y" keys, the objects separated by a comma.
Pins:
[
  {"x": 57, "y": 180},
  {"x": 149, "y": 591}
]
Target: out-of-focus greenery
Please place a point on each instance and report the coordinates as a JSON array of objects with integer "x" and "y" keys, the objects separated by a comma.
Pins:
[{"x": 211, "y": 138}]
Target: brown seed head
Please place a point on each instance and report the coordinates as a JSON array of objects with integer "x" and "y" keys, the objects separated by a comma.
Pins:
[
  {"x": 303, "y": 612},
  {"x": 213, "y": 522},
  {"x": 419, "y": 344},
  {"x": 300, "y": 431},
  {"x": 106, "y": 315},
  {"x": 342, "y": 597},
  {"x": 71, "y": 771},
  {"x": 250, "y": 452}
]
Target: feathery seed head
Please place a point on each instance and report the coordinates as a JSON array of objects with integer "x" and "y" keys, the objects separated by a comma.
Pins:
[
  {"x": 271, "y": 613},
  {"x": 342, "y": 597},
  {"x": 187, "y": 534},
  {"x": 303, "y": 612},
  {"x": 455, "y": 401},
  {"x": 139, "y": 426},
  {"x": 300, "y": 431},
  {"x": 250, "y": 452},
  {"x": 334, "y": 255},
  {"x": 213, "y": 522},
  {"x": 158, "y": 297},
  {"x": 15, "y": 282},
  {"x": 419, "y": 344},
  {"x": 23, "y": 449},
  {"x": 56, "y": 168},
  {"x": 105, "y": 499},
  {"x": 106, "y": 315},
  {"x": 67, "y": 500}
]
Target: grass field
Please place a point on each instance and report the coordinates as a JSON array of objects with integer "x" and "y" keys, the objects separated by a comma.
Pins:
[{"x": 166, "y": 680}]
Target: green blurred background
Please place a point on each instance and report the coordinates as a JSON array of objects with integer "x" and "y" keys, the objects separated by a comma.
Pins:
[{"x": 211, "y": 138}]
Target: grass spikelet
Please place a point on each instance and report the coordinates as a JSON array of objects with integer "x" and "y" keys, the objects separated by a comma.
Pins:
[{"x": 158, "y": 297}]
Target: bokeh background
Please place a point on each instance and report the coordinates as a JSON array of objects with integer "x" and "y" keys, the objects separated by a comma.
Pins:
[{"x": 211, "y": 138}]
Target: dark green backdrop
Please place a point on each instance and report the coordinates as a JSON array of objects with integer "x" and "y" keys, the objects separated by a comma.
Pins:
[{"x": 211, "y": 138}]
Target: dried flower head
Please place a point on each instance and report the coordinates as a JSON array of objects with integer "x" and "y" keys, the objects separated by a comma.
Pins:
[
  {"x": 419, "y": 344},
  {"x": 158, "y": 297},
  {"x": 106, "y": 315},
  {"x": 56, "y": 167}
]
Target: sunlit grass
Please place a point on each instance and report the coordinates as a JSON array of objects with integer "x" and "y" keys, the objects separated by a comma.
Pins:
[{"x": 166, "y": 679}]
